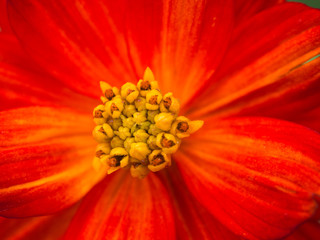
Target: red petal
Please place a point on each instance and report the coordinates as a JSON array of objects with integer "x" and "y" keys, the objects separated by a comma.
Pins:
[
  {"x": 182, "y": 41},
  {"x": 4, "y": 23},
  {"x": 81, "y": 43},
  {"x": 45, "y": 160},
  {"x": 48, "y": 227},
  {"x": 23, "y": 83},
  {"x": 256, "y": 175},
  {"x": 92, "y": 41},
  {"x": 192, "y": 220},
  {"x": 124, "y": 208},
  {"x": 264, "y": 61},
  {"x": 307, "y": 231},
  {"x": 245, "y": 9},
  {"x": 309, "y": 118}
]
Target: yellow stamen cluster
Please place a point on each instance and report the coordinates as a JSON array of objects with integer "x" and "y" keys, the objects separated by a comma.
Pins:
[{"x": 138, "y": 127}]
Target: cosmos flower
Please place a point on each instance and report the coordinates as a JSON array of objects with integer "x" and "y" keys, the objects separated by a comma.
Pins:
[{"x": 248, "y": 69}]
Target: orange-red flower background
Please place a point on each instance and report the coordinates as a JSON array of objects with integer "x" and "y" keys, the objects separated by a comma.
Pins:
[{"x": 252, "y": 172}]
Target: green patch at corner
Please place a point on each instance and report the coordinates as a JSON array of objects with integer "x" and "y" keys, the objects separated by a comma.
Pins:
[{"x": 311, "y": 3}]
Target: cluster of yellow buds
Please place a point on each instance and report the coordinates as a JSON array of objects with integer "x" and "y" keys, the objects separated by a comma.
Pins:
[{"x": 138, "y": 127}]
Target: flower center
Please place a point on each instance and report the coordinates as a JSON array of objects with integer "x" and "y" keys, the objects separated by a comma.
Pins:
[{"x": 138, "y": 127}]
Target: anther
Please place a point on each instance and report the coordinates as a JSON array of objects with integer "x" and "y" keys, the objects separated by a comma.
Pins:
[
  {"x": 183, "y": 126},
  {"x": 109, "y": 94},
  {"x": 145, "y": 85},
  {"x": 166, "y": 143},
  {"x": 167, "y": 102},
  {"x": 99, "y": 153},
  {"x": 157, "y": 160}
]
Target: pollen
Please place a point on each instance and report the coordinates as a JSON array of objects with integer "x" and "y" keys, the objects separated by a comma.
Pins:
[{"x": 138, "y": 127}]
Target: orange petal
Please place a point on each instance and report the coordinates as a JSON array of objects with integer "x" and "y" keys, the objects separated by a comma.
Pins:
[
  {"x": 264, "y": 59},
  {"x": 45, "y": 160},
  {"x": 124, "y": 208},
  {"x": 192, "y": 220},
  {"x": 182, "y": 41},
  {"x": 92, "y": 41},
  {"x": 23, "y": 82},
  {"x": 80, "y": 43},
  {"x": 257, "y": 176},
  {"x": 48, "y": 227}
]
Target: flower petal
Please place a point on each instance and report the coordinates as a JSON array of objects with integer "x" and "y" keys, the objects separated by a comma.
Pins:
[
  {"x": 45, "y": 160},
  {"x": 245, "y": 9},
  {"x": 23, "y": 82},
  {"x": 79, "y": 42},
  {"x": 182, "y": 41},
  {"x": 91, "y": 41},
  {"x": 259, "y": 68},
  {"x": 4, "y": 23},
  {"x": 307, "y": 231},
  {"x": 121, "y": 207},
  {"x": 192, "y": 220},
  {"x": 47, "y": 227},
  {"x": 255, "y": 175},
  {"x": 309, "y": 119}
]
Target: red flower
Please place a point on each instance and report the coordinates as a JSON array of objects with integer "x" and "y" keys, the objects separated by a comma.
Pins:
[{"x": 244, "y": 67}]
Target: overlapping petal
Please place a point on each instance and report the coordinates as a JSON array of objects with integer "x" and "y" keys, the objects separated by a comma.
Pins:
[
  {"x": 24, "y": 83},
  {"x": 79, "y": 42},
  {"x": 254, "y": 174},
  {"x": 180, "y": 40},
  {"x": 124, "y": 208},
  {"x": 44, "y": 160},
  {"x": 4, "y": 22},
  {"x": 47, "y": 227},
  {"x": 309, "y": 230},
  {"x": 259, "y": 69},
  {"x": 114, "y": 41},
  {"x": 309, "y": 118},
  {"x": 244, "y": 9},
  {"x": 192, "y": 220}
]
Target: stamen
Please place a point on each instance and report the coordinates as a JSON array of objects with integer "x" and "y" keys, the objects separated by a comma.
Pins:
[
  {"x": 166, "y": 142},
  {"x": 167, "y": 102},
  {"x": 183, "y": 126},
  {"x": 153, "y": 100},
  {"x": 145, "y": 85},
  {"x": 98, "y": 114},
  {"x": 138, "y": 127},
  {"x": 109, "y": 94},
  {"x": 99, "y": 153},
  {"x": 102, "y": 130},
  {"x": 115, "y": 161},
  {"x": 114, "y": 107},
  {"x": 157, "y": 160}
]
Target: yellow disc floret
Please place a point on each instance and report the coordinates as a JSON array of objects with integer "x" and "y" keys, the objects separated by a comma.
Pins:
[{"x": 138, "y": 127}]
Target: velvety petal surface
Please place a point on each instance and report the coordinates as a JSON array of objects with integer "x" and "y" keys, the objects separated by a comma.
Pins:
[
  {"x": 265, "y": 67},
  {"x": 82, "y": 42},
  {"x": 258, "y": 176},
  {"x": 193, "y": 221},
  {"x": 24, "y": 83},
  {"x": 309, "y": 118},
  {"x": 307, "y": 231},
  {"x": 79, "y": 42},
  {"x": 245, "y": 9},
  {"x": 45, "y": 160},
  {"x": 44, "y": 228},
  {"x": 182, "y": 41},
  {"x": 121, "y": 207},
  {"x": 4, "y": 22}
]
